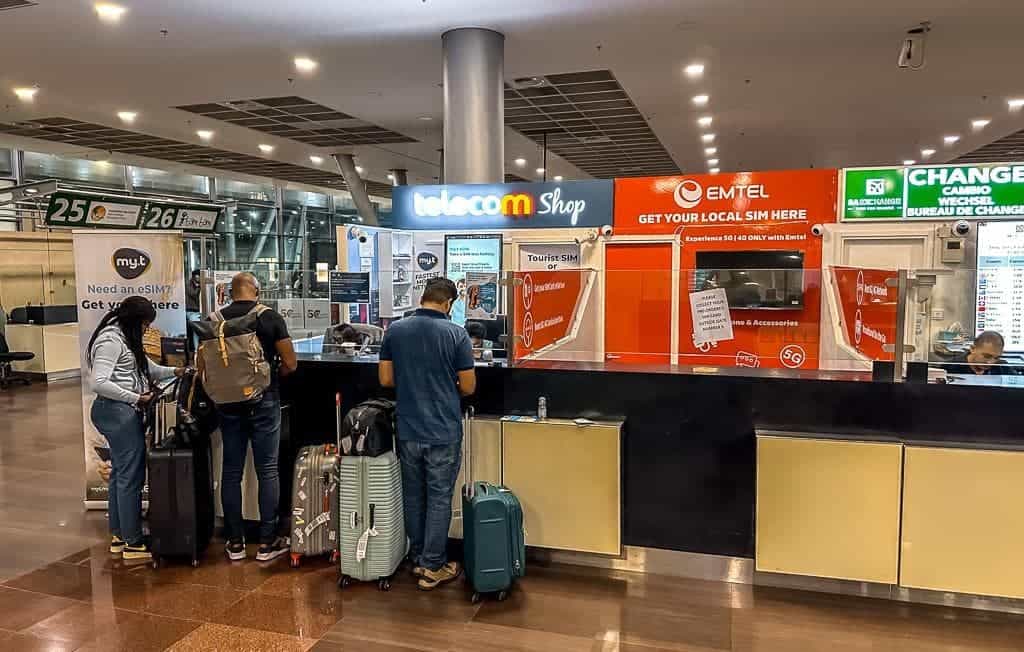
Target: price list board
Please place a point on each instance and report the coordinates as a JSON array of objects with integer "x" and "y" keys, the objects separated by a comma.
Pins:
[{"x": 999, "y": 300}]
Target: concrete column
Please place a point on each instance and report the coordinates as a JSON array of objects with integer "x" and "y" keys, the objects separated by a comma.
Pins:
[
  {"x": 357, "y": 188},
  {"x": 474, "y": 106},
  {"x": 401, "y": 177}
]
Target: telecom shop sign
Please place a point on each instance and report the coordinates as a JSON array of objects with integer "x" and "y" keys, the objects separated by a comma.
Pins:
[
  {"x": 475, "y": 207},
  {"x": 91, "y": 210},
  {"x": 934, "y": 192}
]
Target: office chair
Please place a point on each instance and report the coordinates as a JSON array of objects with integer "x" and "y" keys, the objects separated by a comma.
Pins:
[{"x": 7, "y": 377}]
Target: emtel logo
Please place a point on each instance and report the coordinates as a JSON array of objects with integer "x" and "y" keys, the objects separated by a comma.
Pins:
[
  {"x": 688, "y": 194},
  {"x": 130, "y": 263}
]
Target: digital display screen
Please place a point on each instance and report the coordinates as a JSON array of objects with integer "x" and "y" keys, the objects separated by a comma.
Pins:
[
  {"x": 473, "y": 263},
  {"x": 999, "y": 298},
  {"x": 753, "y": 279}
]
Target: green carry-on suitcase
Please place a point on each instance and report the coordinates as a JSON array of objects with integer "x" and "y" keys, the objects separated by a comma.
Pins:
[{"x": 495, "y": 546}]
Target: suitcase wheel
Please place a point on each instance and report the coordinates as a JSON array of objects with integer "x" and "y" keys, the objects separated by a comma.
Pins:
[
  {"x": 384, "y": 584},
  {"x": 502, "y": 596},
  {"x": 195, "y": 563},
  {"x": 475, "y": 598},
  {"x": 296, "y": 560},
  {"x": 344, "y": 581}
]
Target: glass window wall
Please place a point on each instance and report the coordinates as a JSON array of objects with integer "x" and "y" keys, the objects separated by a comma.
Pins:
[
  {"x": 80, "y": 172},
  {"x": 153, "y": 181},
  {"x": 245, "y": 191}
]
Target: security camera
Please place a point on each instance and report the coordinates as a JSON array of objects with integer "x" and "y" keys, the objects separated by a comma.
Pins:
[
  {"x": 360, "y": 235},
  {"x": 912, "y": 47},
  {"x": 962, "y": 228},
  {"x": 818, "y": 230},
  {"x": 606, "y": 230}
]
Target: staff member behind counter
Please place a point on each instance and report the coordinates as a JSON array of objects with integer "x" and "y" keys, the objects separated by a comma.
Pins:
[{"x": 985, "y": 357}]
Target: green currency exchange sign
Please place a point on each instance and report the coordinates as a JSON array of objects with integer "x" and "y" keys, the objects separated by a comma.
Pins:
[{"x": 988, "y": 191}]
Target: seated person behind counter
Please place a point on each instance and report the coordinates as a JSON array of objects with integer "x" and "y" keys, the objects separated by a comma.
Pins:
[
  {"x": 983, "y": 358},
  {"x": 342, "y": 334},
  {"x": 482, "y": 347}
]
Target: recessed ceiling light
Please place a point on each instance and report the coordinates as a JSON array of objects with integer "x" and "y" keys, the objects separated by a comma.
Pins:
[
  {"x": 540, "y": 170},
  {"x": 266, "y": 149},
  {"x": 710, "y": 151},
  {"x": 521, "y": 162},
  {"x": 127, "y": 116},
  {"x": 391, "y": 176},
  {"x": 708, "y": 138},
  {"x": 712, "y": 162},
  {"x": 31, "y": 191},
  {"x": 558, "y": 178},
  {"x": 305, "y": 64},
  {"x": 949, "y": 140},
  {"x": 316, "y": 160},
  {"x": 205, "y": 134},
  {"x": 700, "y": 100},
  {"x": 359, "y": 169},
  {"x": 705, "y": 120},
  {"x": 909, "y": 161},
  {"x": 714, "y": 171},
  {"x": 109, "y": 12},
  {"x": 925, "y": 153},
  {"x": 694, "y": 70},
  {"x": 426, "y": 118},
  {"x": 979, "y": 123},
  {"x": 26, "y": 93},
  {"x": 1015, "y": 104}
]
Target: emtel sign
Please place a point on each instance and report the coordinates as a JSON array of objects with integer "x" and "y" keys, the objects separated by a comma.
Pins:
[
  {"x": 689, "y": 193},
  {"x": 503, "y": 206}
]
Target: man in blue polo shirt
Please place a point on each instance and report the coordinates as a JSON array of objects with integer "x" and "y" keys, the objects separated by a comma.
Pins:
[{"x": 429, "y": 362}]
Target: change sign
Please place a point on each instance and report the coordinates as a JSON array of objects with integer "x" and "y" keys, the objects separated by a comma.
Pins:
[{"x": 935, "y": 192}]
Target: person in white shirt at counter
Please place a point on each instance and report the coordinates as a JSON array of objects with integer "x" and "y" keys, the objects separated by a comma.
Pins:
[{"x": 985, "y": 357}]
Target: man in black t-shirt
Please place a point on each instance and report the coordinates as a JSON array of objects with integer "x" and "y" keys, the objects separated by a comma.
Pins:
[{"x": 258, "y": 423}]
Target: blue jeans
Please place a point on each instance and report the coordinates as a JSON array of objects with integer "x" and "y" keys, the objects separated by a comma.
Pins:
[
  {"x": 429, "y": 472},
  {"x": 259, "y": 424},
  {"x": 122, "y": 425}
]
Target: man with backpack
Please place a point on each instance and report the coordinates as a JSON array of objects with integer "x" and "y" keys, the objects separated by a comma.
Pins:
[
  {"x": 429, "y": 361},
  {"x": 245, "y": 348}
]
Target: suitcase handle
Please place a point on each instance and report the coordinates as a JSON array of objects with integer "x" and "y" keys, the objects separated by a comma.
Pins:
[
  {"x": 337, "y": 417},
  {"x": 372, "y": 508}
]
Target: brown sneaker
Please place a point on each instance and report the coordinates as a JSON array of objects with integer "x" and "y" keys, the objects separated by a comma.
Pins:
[
  {"x": 430, "y": 580},
  {"x": 417, "y": 571}
]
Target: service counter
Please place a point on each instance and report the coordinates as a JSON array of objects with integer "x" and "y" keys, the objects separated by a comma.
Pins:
[
  {"x": 55, "y": 347},
  {"x": 865, "y": 471}
]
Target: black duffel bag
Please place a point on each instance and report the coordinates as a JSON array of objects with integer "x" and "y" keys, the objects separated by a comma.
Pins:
[{"x": 369, "y": 428}]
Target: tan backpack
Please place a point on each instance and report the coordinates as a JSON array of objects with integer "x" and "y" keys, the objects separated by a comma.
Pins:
[{"x": 230, "y": 358}]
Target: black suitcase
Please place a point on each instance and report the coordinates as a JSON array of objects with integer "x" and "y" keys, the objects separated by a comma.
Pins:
[{"x": 181, "y": 516}]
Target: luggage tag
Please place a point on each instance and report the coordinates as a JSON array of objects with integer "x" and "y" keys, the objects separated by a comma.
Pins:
[
  {"x": 364, "y": 541},
  {"x": 302, "y": 495},
  {"x": 298, "y": 511},
  {"x": 317, "y": 522},
  {"x": 346, "y": 445},
  {"x": 361, "y": 444},
  {"x": 298, "y": 535}
]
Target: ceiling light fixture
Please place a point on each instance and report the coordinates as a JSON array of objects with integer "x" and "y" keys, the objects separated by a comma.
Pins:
[
  {"x": 305, "y": 64},
  {"x": 316, "y": 160},
  {"x": 700, "y": 100},
  {"x": 694, "y": 70},
  {"x": 205, "y": 134},
  {"x": 925, "y": 153},
  {"x": 950, "y": 140},
  {"x": 712, "y": 162},
  {"x": 391, "y": 177},
  {"x": 109, "y": 12},
  {"x": 708, "y": 138},
  {"x": 521, "y": 162},
  {"x": 714, "y": 171},
  {"x": 540, "y": 170},
  {"x": 705, "y": 120},
  {"x": 426, "y": 118},
  {"x": 909, "y": 161},
  {"x": 710, "y": 151},
  {"x": 359, "y": 169},
  {"x": 26, "y": 93},
  {"x": 266, "y": 149},
  {"x": 979, "y": 123},
  {"x": 127, "y": 116},
  {"x": 558, "y": 178},
  {"x": 1015, "y": 104}
]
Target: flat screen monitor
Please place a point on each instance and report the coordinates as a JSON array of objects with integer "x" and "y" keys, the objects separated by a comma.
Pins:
[
  {"x": 766, "y": 280},
  {"x": 999, "y": 288}
]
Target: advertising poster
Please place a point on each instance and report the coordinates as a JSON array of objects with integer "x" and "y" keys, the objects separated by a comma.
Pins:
[
  {"x": 111, "y": 266},
  {"x": 293, "y": 313},
  {"x": 428, "y": 262},
  {"x": 867, "y": 309},
  {"x": 548, "y": 256},
  {"x": 545, "y": 307},
  {"x": 349, "y": 287},
  {"x": 469, "y": 253},
  {"x": 481, "y": 295},
  {"x": 222, "y": 289},
  {"x": 481, "y": 207},
  {"x": 750, "y": 218},
  {"x": 934, "y": 192}
]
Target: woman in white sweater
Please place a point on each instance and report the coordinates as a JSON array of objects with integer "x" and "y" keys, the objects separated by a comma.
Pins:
[{"x": 123, "y": 377}]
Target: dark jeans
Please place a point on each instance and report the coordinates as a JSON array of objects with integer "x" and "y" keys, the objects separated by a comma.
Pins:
[
  {"x": 429, "y": 472},
  {"x": 122, "y": 425},
  {"x": 259, "y": 424}
]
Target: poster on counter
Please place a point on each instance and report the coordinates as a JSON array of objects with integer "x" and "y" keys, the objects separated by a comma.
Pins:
[
  {"x": 709, "y": 314},
  {"x": 868, "y": 309},
  {"x": 536, "y": 257},
  {"x": 481, "y": 295},
  {"x": 111, "y": 266},
  {"x": 470, "y": 253}
]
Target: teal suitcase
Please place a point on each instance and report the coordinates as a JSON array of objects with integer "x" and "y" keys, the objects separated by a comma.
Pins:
[{"x": 494, "y": 540}]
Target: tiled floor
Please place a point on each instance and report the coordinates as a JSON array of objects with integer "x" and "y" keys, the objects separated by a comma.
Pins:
[{"x": 61, "y": 590}]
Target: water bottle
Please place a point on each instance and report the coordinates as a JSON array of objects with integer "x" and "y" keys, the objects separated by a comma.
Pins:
[{"x": 542, "y": 409}]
